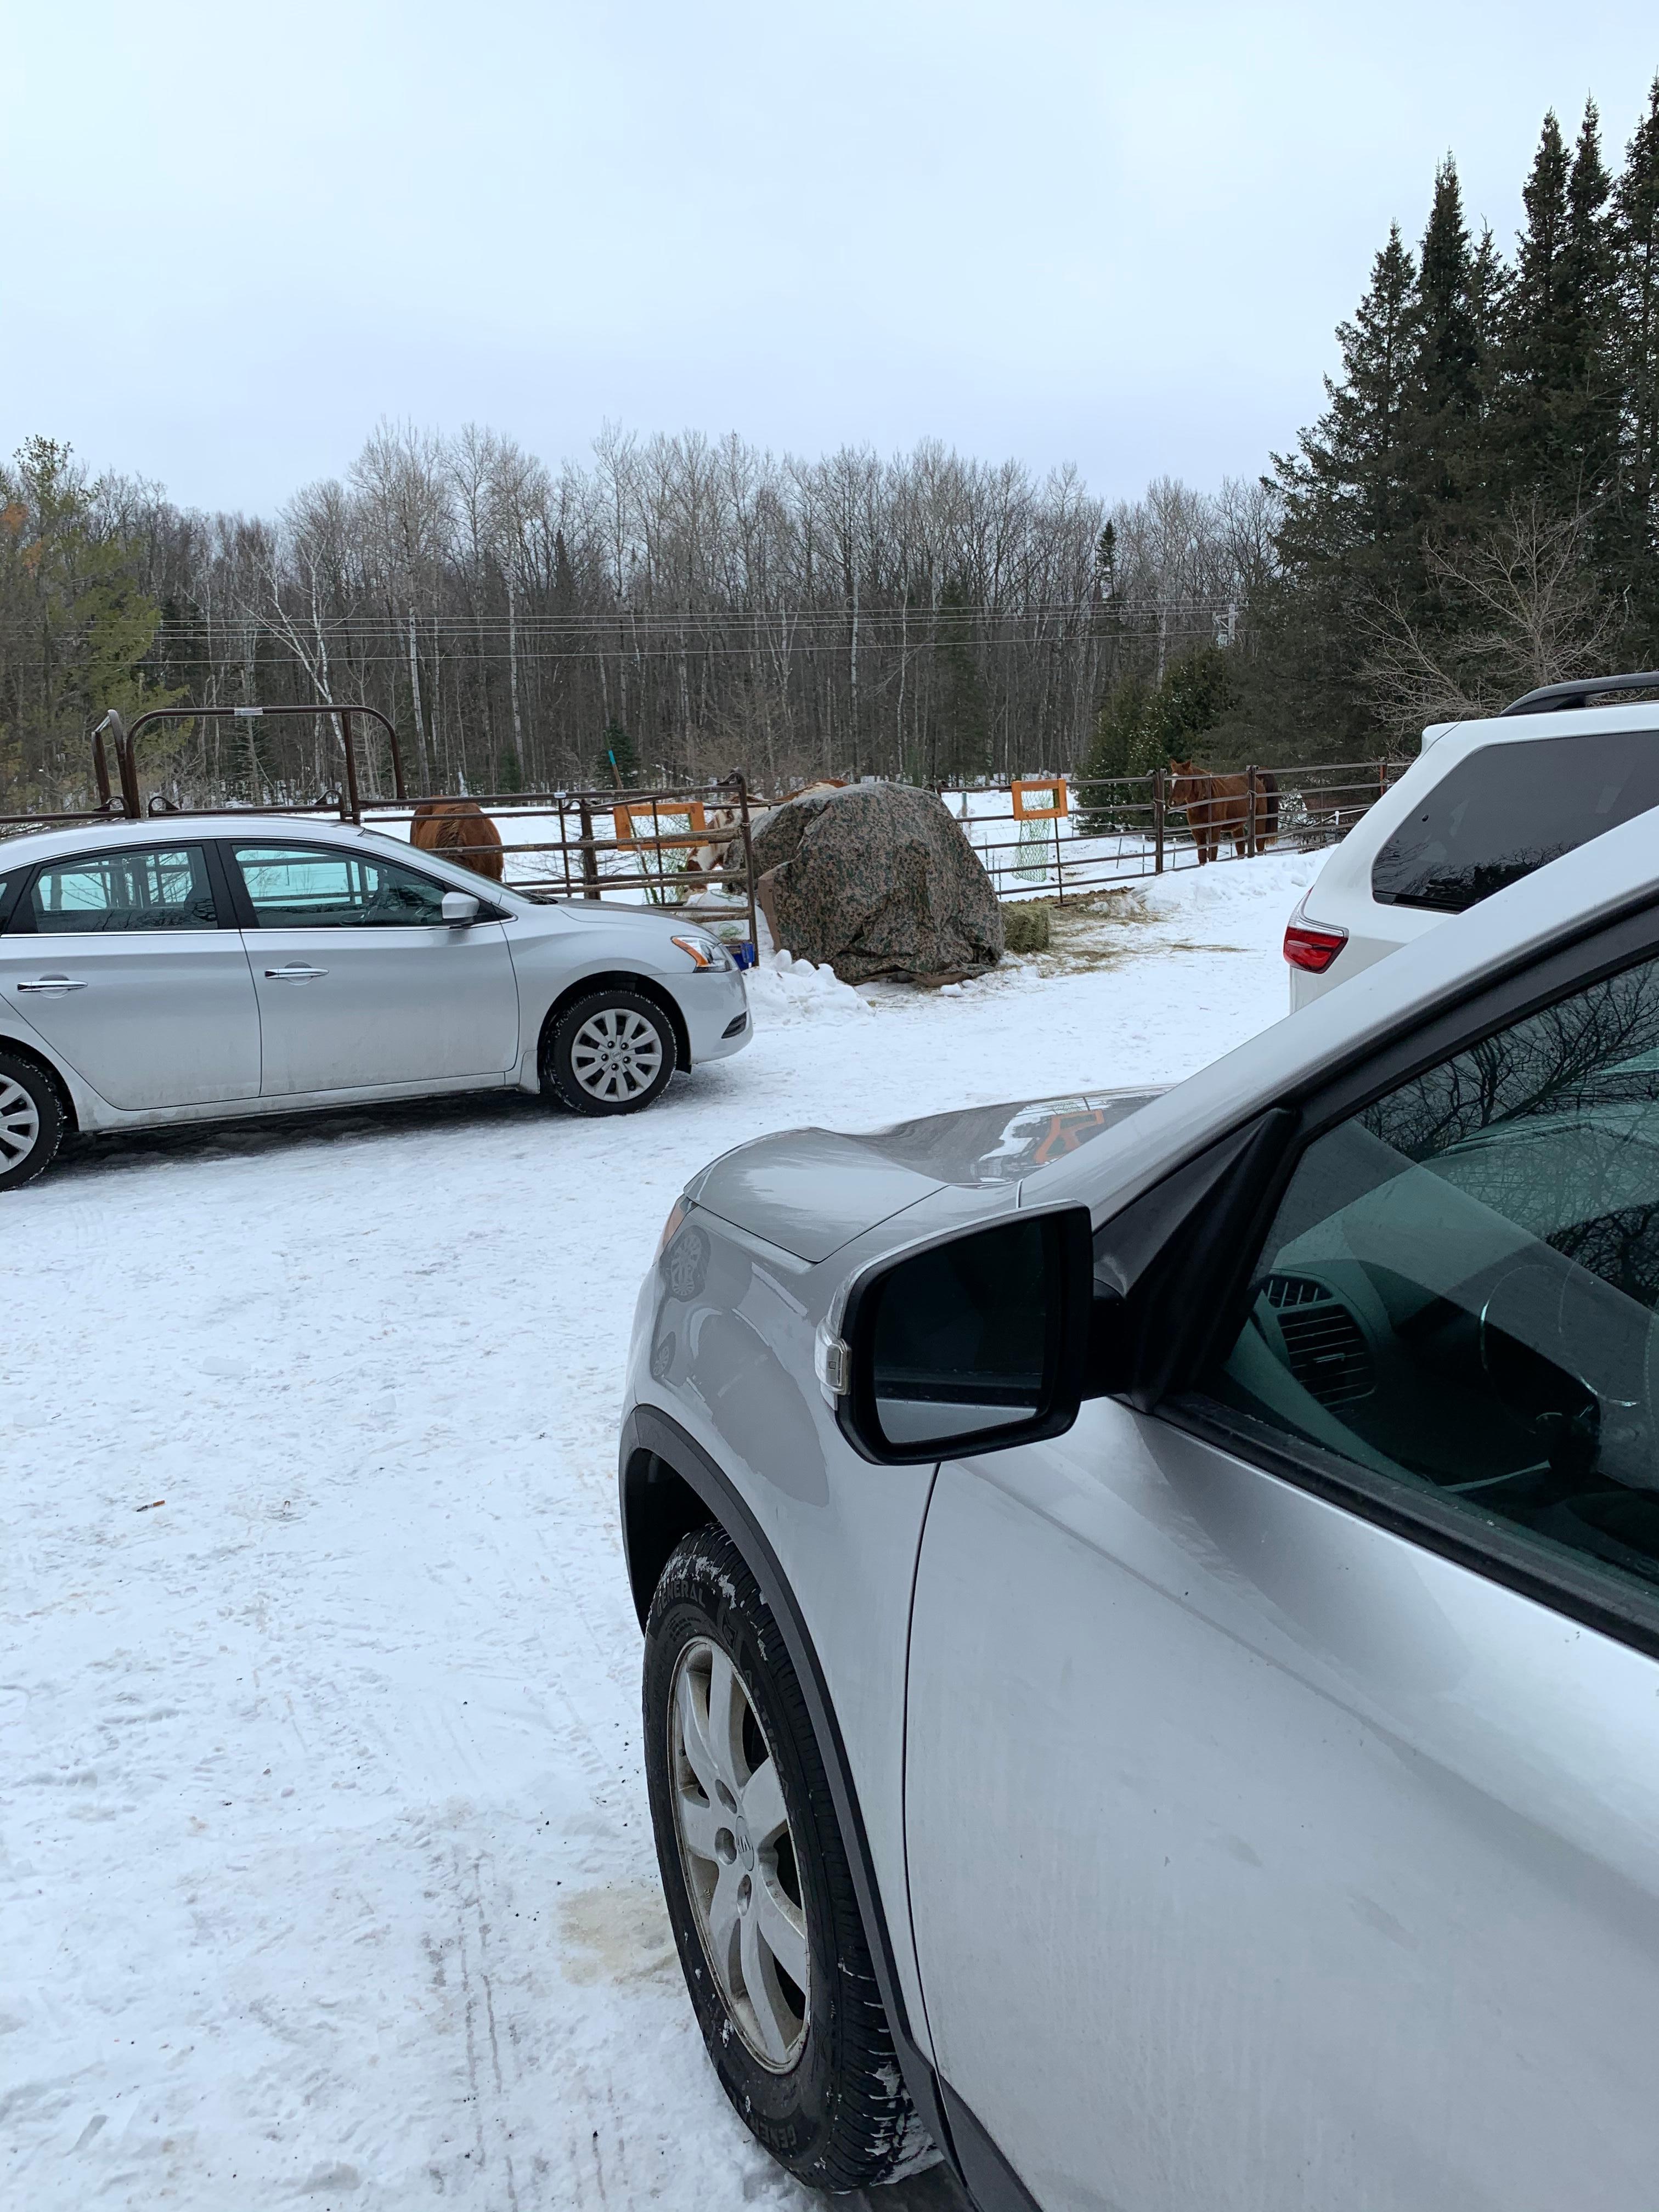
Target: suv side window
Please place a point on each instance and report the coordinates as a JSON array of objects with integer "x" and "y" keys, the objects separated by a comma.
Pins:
[
  {"x": 1458, "y": 1292},
  {"x": 303, "y": 887},
  {"x": 103, "y": 893},
  {"x": 1507, "y": 809}
]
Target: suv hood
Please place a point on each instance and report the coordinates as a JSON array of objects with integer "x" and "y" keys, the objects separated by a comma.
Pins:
[{"x": 811, "y": 1191}]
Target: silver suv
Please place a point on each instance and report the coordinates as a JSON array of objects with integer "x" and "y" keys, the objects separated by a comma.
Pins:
[
  {"x": 1484, "y": 804},
  {"x": 223, "y": 965},
  {"x": 1151, "y": 1606}
]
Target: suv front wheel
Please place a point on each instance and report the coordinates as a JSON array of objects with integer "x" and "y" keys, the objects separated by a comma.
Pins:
[{"x": 758, "y": 1883}]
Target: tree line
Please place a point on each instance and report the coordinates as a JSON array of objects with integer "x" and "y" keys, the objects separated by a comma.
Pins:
[
  {"x": 1475, "y": 510},
  {"x": 673, "y": 609}
]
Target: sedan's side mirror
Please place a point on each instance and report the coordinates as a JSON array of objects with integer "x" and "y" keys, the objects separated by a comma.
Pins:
[
  {"x": 460, "y": 908},
  {"x": 974, "y": 1343}
]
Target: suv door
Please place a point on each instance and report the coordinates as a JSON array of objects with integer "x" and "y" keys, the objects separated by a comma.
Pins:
[
  {"x": 362, "y": 983},
  {"x": 125, "y": 963},
  {"x": 1283, "y": 1767}
]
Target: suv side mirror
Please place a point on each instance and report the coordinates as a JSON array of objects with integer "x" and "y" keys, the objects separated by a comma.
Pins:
[
  {"x": 460, "y": 908},
  {"x": 974, "y": 1344}
]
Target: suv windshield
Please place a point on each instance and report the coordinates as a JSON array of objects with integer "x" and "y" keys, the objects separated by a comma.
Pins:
[{"x": 1507, "y": 809}]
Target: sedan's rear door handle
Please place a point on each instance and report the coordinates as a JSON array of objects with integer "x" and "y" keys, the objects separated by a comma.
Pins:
[
  {"x": 293, "y": 975},
  {"x": 55, "y": 983}
]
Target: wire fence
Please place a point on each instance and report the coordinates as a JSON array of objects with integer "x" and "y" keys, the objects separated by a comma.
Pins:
[{"x": 1073, "y": 837}]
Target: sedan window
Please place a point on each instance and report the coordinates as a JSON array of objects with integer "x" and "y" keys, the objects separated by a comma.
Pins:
[
  {"x": 300, "y": 887},
  {"x": 164, "y": 888},
  {"x": 1459, "y": 1291}
]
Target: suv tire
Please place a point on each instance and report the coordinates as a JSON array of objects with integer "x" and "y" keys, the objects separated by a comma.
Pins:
[
  {"x": 612, "y": 1052},
  {"x": 810, "y": 2069},
  {"x": 31, "y": 1121}
]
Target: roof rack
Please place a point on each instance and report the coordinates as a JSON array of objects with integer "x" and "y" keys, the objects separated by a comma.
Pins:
[{"x": 1553, "y": 697}]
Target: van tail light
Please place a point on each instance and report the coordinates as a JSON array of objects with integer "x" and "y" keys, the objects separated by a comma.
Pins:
[{"x": 1313, "y": 949}]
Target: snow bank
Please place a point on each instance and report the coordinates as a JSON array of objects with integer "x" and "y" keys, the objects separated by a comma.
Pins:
[
  {"x": 1233, "y": 888},
  {"x": 784, "y": 990}
]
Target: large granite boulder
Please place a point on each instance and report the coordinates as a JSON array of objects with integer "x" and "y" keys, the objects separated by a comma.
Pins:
[{"x": 876, "y": 879}]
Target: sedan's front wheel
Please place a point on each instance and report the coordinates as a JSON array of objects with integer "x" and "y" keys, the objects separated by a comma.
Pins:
[
  {"x": 757, "y": 1882},
  {"x": 31, "y": 1122},
  {"x": 610, "y": 1053}
]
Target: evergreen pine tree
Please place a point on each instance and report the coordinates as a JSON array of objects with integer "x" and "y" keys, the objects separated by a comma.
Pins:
[
  {"x": 1346, "y": 538},
  {"x": 564, "y": 577},
  {"x": 1120, "y": 737},
  {"x": 1588, "y": 269},
  {"x": 1347, "y": 506},
  {"x": 962, "y": 733},
  {"x": 1448, "y": 340},
  {"x": 1198, "y": 693},
  {"x": 618, "y": 765},
  {"x": 1634, "y": 244},
  {"x": 1559, "y": 398},
  {"x": 1488, "y": 304},
  {"x": 1532, "y": 375}
]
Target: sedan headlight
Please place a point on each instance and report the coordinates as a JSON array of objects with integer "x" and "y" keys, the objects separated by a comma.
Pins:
[{"x": 706, "y": 951}]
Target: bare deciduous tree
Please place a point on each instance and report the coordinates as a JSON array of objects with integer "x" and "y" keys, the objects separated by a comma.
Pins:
[{"x": 1519, "y": 609}]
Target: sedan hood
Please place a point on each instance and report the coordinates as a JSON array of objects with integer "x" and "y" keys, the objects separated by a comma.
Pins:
[{"x": 811, "y": 1191}]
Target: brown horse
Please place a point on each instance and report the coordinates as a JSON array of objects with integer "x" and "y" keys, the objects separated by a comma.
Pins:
[
  {"x": 1217, "y": 807},
  {"x": 461, "y": 830}
]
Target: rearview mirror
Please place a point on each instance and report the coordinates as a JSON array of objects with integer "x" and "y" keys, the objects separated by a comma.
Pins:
[
  {"x": 974, "y": 1343},
  {"x": 460, "y": 907}
]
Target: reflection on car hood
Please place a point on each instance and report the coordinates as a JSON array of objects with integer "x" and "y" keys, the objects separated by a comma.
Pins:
[{"x": 811, "y": 1191}]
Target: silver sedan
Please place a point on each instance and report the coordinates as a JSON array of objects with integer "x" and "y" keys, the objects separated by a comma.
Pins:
[{"x": 222, "y": 966}]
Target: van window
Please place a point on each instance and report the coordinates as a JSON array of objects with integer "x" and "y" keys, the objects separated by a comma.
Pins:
[{"x": 1506, "y": 810}]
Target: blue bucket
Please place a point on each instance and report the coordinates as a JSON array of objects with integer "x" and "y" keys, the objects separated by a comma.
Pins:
[{"x": 743, "y": 951}]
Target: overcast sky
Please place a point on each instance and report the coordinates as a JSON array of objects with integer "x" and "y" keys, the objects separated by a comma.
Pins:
[{"x": 234, "y": 236}]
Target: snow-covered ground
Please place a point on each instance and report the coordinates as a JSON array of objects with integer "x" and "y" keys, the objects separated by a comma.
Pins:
[{"x": 325, "y": 1867}]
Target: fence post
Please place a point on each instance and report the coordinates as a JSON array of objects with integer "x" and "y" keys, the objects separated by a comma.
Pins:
[
  {"x": 1249, "y": 845},
  {"x": 742, "y": 783},
  {"x": 351, "y": 805},
  {"x": 590, "y": 857},
  {"x": 1157, "y": 822}
]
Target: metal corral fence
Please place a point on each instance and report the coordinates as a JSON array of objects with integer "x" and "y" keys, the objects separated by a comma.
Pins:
[
  {"x": 685, "y": 845},
  {"x": 1062, "y": 837},
  {"x": 1071, "y": 837}
]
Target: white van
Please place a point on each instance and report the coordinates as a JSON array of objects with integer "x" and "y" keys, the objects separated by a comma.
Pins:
[{"x": 1486, "y": 803}]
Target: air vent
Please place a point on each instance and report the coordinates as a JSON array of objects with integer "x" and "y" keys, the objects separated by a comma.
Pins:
[
  {"x": 1324, "y": 1345},
  {"x": 1282, "y": 1290}
]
